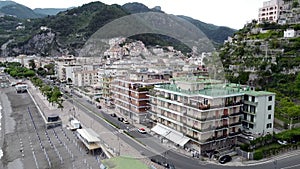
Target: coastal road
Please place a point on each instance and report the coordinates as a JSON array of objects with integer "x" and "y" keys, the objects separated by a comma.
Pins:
[{"x": 154, "y": 149}]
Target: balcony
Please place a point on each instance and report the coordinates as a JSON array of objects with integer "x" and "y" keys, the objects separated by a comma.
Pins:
[
  {"x": 234, "y": 133},
  {"x": 250, "y": 103},
  {"x": 224, "y": 116},
  {"x": 204, "y": 106},
  {"x": 222, "y": 127},
  {"x": 232, "y": 103},
  {"x": 236, "y": 114},
  {"x": 235, "y": 124}
]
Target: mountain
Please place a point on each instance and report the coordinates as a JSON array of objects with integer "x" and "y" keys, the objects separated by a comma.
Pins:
[
  {"x": 49, "y": 11},
  {"x": 215, "y": 33},
  {"x": 6, "y": 3},
  {"x": 67, "y": 32},
  {"x": 136, "y": 7},
  {"x": 17, "y": 10}
]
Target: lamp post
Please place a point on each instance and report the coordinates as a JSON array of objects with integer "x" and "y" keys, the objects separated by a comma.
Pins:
[{"x": 275, "y": 163}]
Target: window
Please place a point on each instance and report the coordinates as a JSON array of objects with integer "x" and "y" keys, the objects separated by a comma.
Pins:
[
  {"x": 269, "y": 107},
  {"x": 245, "y": 116},
  {"x": 252, "y": 109},
  {"x": 269, "y": 125},
  {"x": 269, "y": 116},
  {"x": 246, "y": 97},
  {"x": 252, "y": 118},
  {"x": 253, "y": 99},
  {"x": 270, "y": 98},
  {"x": 251, "y": 126},
  {"x": 246, "y": 107}
]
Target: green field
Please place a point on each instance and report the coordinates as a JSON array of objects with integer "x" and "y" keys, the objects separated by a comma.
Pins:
[{"x": 124, "y": 163}]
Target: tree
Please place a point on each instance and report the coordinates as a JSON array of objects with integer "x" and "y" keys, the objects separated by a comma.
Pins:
[
  {"x": 69, "y": 81},
  {"x": 32, "y": 64}
]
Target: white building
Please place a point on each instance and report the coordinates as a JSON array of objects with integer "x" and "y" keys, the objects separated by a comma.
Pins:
[
  {"x": 85, "y": 78},
  {"x": 289, "y": 33},
  {"x": 258, "y": 111},
  {"x": 270, "y": 11}
]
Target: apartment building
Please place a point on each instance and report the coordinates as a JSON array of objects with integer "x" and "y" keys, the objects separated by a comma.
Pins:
[
  {"x": 192, "y": 113},
  {"x": 85, "y": 78},
  {"x": 258, "y": 111},
  {"x": 131, "y": 95},
  {"x": 270, "y": 11}
]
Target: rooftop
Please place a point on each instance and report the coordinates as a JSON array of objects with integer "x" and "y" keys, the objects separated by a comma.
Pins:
[
  {"x": 258, "y": 93},
  {"x": 207, "y": 91}
]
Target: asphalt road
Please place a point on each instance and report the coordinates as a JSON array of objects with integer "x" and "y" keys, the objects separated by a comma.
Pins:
[{"x": 154, "y": 149}]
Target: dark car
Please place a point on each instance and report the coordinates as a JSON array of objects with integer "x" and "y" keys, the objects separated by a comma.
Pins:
[
  {"x": 121, "y": 119},
  {"x": 113, "y": 115},
  {"x": 224, "y": 159}
]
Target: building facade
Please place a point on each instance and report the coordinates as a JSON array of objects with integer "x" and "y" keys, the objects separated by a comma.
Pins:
[
  {"x": 207, "y": 118},
  {"x": 130, "y": 95},
  {"x": 270, "y": 11},
  {"x": 258, "y": 111},
  {"x": 206, "y": 115}
]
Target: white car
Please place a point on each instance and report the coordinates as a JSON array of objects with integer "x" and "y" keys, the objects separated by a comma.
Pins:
[
  {"x": 282, "y": 142},
  {"x": 142, "y": 130},
  {"x": 125, "y": 121}
]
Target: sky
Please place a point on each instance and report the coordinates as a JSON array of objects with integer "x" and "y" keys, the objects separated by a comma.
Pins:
[{"x": 231, "y": 13}]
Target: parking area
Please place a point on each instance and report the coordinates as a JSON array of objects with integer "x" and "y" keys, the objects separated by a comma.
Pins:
[{"x": 31, "y": 145}]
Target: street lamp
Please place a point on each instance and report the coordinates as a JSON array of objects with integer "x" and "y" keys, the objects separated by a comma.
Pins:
[{"x": 275, "y": 163}]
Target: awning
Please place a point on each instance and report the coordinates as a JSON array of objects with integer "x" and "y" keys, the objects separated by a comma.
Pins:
[
  {"x": 160, "y": 130},
  {"x": 89, "y": 135},
  {"x": 170, "y": 134}
]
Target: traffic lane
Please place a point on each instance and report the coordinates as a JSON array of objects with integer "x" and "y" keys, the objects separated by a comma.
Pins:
[
  {"x": 131, "y": 129},
  {"x": 122, "y": 136},
  {"x": 291, "y": 161}
]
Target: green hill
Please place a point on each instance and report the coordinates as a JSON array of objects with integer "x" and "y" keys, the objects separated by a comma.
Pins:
[
  {"x": 68, "y": 30},
  {"x": 18, "y": 10},
  {"x": 49, "y": 11}
]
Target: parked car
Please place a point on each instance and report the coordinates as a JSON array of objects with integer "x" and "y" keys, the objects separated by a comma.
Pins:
[
  {"x": 251, "y": 138},
  {"x": 121, "y": 119},
  {"x": 142, "y": 130},
  {"x": 156, "y": 161},
  {"x": 224, "y": 159},
  {"x": 283, "y": 142},
  {"x": 125, "y": 121},
  {"x": 113, "y": 115}
]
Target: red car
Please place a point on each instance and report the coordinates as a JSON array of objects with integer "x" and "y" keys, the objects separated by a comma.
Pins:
[{"x": 142, "y": 130}]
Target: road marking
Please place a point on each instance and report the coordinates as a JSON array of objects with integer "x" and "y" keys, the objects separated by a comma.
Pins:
[{"x": 293, "y": 166}]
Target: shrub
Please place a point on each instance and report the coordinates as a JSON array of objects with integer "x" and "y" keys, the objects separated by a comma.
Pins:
[{"x": 258, "y": 154}]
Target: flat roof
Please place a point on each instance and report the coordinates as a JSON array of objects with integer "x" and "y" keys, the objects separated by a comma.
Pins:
[
  {"x": 208, "y": 91},
  {"x": 89, "y": 135},
  {"x": 258, "y": 93}
]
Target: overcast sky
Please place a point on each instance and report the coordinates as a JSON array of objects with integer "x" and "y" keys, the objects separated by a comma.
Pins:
[{"x": 231, "y": 13}]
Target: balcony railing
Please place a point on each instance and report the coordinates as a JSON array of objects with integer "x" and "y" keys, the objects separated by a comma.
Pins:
[
  {"x": 236, "y": 113},
  {"x": 222, "y": 127},
  {"x": 234, "y": 133},
  {"x": 232, "y": 103},
  {"x": 235, "y": 124},
  {"x": 224, "y": 116}
]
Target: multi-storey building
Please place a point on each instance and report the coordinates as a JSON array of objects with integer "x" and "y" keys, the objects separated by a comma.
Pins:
[
  {"x": 86, "y": 78},
  {"x": 131, "y": 95},
  {"x": 270, "y": 11},
  {"x": 191, "y": 110},
  {"x": 258, "y": 111}
]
